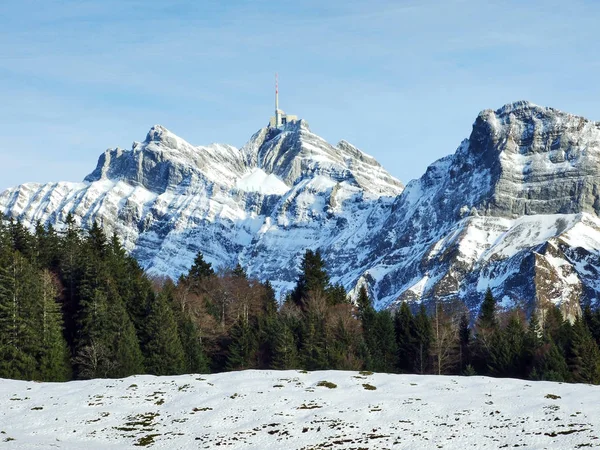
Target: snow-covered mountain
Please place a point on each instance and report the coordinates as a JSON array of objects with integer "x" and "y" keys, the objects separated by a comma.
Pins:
[
  {"x": 261, "y": 206},
  {"x": 298, "y": 410},
  {"x": 514, "y": 208}
]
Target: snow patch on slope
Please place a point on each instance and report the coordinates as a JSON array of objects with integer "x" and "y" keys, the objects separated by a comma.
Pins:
[{"x": 258, "y": 181}]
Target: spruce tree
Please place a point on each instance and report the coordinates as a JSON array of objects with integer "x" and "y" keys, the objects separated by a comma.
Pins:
[
  {"x": 120, "y": 340},
  {"x": 487, "y": 312},
  {"x": 196, "y": 360},
  {"x": 313, "y": 277},
  {"x": 314, "y": 346},
  {"x": 54, "y": 357},
  {"x": 368, "y": 318},
  {"x": 285, "y": 352},
  {"x": 464, "y": 341},
  {"x": 506, "y": 354},
  {"x": 423, "y": 336},
  {"x": 200, "y": 269},
  {"x": 550, "y": 364},
  {"x": 243, "y": 347},
  {"x": 385, "y": 353},
  {"x": 583, "y": 355},
  {"x": 19, "y": 319},
  {"x": 404, "y": 327},
  {"x": 162, "y": 347}
]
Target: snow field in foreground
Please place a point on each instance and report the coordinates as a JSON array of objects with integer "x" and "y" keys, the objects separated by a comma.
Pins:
[{"x": 299, "y": 410}]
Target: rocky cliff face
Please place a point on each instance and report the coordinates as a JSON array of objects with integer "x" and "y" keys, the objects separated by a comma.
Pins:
[
  {"x": 515, "y": 208},
  {"x": 261, "y": 206}
]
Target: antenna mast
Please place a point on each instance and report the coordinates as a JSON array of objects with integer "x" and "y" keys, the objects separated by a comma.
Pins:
[{"x": 276, "y": 91}]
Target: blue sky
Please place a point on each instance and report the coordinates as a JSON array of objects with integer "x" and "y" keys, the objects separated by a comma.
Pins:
[{"x": 402, "y": 80}]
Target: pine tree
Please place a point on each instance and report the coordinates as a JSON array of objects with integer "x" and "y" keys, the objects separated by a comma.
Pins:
[
  {"x": 506, "y": 355},
  {"x": 313, "y": 344},
  {"x": 19, "y": 312},
  {"x": 200, "y": 269},
  {"x": 243, "y": 347},
  {"x": 592, "y": 320},
  {"x": 239, "y": 272},
  {"x": 312, "y": 278},
  {"x": 285, "y": 354},
  {"x": 405, "y": 340},
  {"x": 22, "y": 240},
  {"x": 162, "y": 348},
  {"x": 364, "y": 303},
  {"x": 423, "y": 336},
  {"x": 337, "y": 295},
  {"x": 54, "y": 357},
  {"x": 196, "y": 360},
  {"x": 267, "y": 326},
  {"x": 464, "y": 336},
  {"x": 583, "y": 355},
  {"x": 385, "y": 353},
  {"x": 368, "y": 318},
  {"x": 532, "y": 343},
  {"x": 487, "y": 313},
  {"x": 120, "y": 339},
  {"x": 550, "y": 364}
]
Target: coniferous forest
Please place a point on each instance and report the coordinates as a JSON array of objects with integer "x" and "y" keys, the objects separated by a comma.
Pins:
[{"x": 74, "y": 305}]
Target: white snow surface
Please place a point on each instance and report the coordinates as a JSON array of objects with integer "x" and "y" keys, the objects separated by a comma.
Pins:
[
  {"x": 289, "y": 410},
  {"x": 258, "y": 181}
]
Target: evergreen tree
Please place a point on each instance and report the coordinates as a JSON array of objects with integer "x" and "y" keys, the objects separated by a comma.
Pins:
[
  {"x": 196, "y": 360},
  {"x": 583, "y": 355},
  {"x": 337, "y": 295},
  {"x": 487, "y": 313},
  {"x": 22, "y": 240},
  {"x": 368, "y": 318},
  {"x": 506, "y": 355},
  {"x": 312, "y": 278},
  {"x": 201, "y": 269},
  {"x": 385, "y": 352},
  {"x": 423, "y": 336},
  {"x": 162, "y": 349},
  {"x": 532, "y": 343},
  {"x": 243, "y": 347},
  {"x": 19, "y": 319},
  {"x": 592, "y": 320},
  {"x": 267, "y": 327},
  {"x": 120, "y": 339},
  {"x": 239, "y": 272},
  {"x": 405, "y": 340},
  {"x": 54, "y": 357},
  {"x": 464, "y": 336},
  {"x": 549, "y": 364},
  {"x": 285, "y": 354}
]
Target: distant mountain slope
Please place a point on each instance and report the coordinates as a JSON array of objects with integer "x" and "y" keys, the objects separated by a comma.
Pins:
[
  {"x": 286, "y": 190},
  {"x": 515, "y": 208}
]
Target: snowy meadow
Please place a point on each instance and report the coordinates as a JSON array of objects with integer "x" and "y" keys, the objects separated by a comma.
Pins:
[{"x": 299, "y": 410}]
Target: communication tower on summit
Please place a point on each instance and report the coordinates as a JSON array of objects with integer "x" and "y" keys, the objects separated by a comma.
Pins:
[{"x": 281, "y": 118}]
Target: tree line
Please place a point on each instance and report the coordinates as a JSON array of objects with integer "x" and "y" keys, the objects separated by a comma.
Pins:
[{"x": 74, "y": 305}]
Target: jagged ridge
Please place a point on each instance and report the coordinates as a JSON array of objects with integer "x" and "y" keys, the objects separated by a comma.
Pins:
[{"x": 514, "y": 208}]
